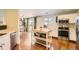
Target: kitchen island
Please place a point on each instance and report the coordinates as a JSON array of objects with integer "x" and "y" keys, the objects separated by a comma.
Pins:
[
  {"x": 7, "y": 39},
  {"x": 42, "y": 37}
]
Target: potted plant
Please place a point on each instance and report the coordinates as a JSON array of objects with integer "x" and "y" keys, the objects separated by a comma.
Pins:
[{"x": 24, "y": 24}]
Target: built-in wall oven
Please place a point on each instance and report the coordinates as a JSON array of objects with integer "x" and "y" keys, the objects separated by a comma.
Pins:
[
  {"x": 63, "y": 32},
  {"x": 63, "y": 29}
]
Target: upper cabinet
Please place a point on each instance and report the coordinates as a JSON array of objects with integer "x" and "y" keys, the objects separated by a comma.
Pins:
[
  {"x": 2, "y": 17},
  {"x": 70, "y": 17},
  {"x": 2, "y": 20},
  {"x": 40, "y": 22}
]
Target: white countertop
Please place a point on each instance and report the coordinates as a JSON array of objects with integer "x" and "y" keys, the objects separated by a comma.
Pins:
[
  {"x": 7, "y": 31},
  {"x": 43, "y": 30}
]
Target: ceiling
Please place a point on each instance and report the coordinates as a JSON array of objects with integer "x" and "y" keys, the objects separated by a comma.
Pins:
[{"x": 39, "y": 12}]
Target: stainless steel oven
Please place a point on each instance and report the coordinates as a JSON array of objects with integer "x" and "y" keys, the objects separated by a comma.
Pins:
[
  {"x": 63, "y": 29},
  {"x": 63, "y": 33}
]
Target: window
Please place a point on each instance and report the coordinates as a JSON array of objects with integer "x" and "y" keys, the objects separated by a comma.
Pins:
[{"x": 48, "y": 20}]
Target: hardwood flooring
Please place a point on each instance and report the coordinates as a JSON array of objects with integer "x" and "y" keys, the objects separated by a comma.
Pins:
[
  {"x": 25, "y": 43},
  {"x": 57, "y": 44}
]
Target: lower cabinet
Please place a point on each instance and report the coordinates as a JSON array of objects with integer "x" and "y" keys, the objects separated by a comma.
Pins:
[
  {"x": 5, "y": 42},
  {"x": 8, "y": 41},
  {"x": 72, "y": 35}
]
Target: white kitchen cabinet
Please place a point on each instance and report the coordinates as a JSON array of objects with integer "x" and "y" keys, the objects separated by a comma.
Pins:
[
  {"x": 72, "y": 35},
  {"x": 2, "y": 17},
  {"x": 40, "y": 22},
  {"x": 5, "y": 42},
  {"x": 72, "y": 24},
  {"x": 70, "y": 17}
]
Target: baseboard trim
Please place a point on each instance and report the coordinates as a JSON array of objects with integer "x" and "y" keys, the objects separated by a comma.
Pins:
[
  {"x": 72, "y": 41},
  {"x": 69, "y": 40},
  {"x": 54, "y": 37}
]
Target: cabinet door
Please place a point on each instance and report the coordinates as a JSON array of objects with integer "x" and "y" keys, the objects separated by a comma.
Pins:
[
  {"x": 2, "y": 17},
  {"x": 72, "y": 35},
  {"x": 72, "y": 19},
  {"x": 40, "y": 22},
  {"x": 5, "y": 40}
]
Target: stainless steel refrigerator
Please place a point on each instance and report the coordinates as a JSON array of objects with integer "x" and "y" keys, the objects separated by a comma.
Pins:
[{"x": 77, "y": 32}]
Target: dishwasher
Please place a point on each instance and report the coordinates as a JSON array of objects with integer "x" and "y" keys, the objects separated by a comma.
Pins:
[{"x": 13, "y": 40}]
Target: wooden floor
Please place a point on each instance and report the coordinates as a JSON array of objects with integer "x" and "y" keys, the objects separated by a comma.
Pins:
[
  {"x": 25, "y": 43},
  {"x": 57, "y": 44}
]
